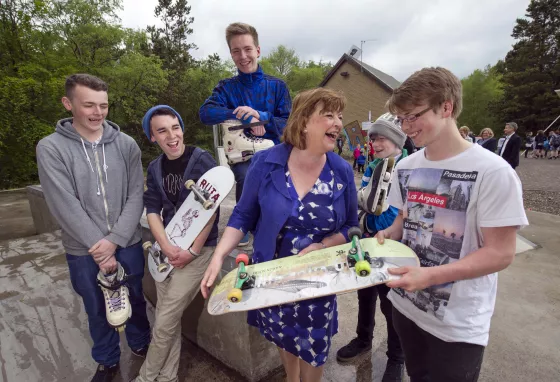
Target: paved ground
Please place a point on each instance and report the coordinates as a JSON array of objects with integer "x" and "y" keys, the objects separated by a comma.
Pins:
[
  {"x": 15, "y": 215},
  {"x": 541, "y": 184}
]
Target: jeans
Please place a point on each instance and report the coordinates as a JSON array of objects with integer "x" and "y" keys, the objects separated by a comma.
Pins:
[
  {"x": 83, "y": 275},
  {"x": 429, "y": 359},
  {"x": 367, "y": 299},
  {"x": 239, "y": 171}
]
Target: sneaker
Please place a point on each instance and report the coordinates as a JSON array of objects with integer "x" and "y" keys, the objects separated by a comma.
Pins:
[
  {"x": 105, "y": 373},
  {"x": 245, "y": 241},
  {"x": 140, "y": 352},
  {"x": 355, "y": 348},
  {"x": 393, "y": 372}
]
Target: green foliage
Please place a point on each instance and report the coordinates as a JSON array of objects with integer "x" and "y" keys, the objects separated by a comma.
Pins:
[
  {"x": 531, "y": 70},
  {"x": 481, "y": 90}
]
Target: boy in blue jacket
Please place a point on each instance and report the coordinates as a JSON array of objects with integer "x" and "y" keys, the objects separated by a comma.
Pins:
[
  {"x": 251, "y": 96},
  {"x": 164, "y": 195},
  {"x": 388, "y": 140}
]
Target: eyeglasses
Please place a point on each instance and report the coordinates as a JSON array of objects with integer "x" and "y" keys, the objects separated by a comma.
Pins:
[{"x": 414, "y": 117}]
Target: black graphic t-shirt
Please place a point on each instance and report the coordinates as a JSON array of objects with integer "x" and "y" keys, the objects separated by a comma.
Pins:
[{"x": 173, "y": 171}]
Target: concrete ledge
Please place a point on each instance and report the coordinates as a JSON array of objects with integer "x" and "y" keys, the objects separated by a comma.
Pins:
[{"x": 42, "y": 218}]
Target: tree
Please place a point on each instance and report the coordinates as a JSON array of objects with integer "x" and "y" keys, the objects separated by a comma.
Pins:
[
  {"x": 481, "y": 90},
  {"x": 531, "y": 70},
  {"x": 281, "y": 60}
]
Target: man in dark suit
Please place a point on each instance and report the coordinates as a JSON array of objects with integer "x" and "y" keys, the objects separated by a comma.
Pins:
[{"x": 512, "y": 145}]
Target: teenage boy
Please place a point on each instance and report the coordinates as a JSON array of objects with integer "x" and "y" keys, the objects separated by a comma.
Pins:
[
  {"x": 92, "y": 178},
  {"x": 164, "y": 195},
  {"x": 387, "y": 140},
  {"x": 251, "y": 96},
  {"x": 454, "y": 213}
]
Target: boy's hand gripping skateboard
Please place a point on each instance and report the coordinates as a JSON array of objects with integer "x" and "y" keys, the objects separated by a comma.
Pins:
[
  {"x": 191, "y": 218},
  {"x": 344, "y": 268}
]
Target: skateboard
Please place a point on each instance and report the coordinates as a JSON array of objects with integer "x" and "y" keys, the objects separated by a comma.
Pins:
[
  {"x": 189, "y": 220},
  {"x": 359, "y": 264},
  {"x": 372, "y": 197}
]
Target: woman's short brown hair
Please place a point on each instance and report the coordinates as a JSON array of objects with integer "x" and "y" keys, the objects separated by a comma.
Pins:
[
  {"x": 465, "y": 129},
  {"x": 488, "y": 130},
  {"x": 303, "y": 107},
  {"x": 431, "y": 86}
]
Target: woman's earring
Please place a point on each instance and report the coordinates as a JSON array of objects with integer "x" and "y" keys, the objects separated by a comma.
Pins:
[{"x": 305, "y": 131}]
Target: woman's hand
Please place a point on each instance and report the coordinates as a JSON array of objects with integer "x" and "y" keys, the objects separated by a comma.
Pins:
[
  {"x": 311, "y": 248},
  {"x": 210, "y": 275}
]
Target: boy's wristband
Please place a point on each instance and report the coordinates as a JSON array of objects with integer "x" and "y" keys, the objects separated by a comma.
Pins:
[{"x": 193, "y": 253}]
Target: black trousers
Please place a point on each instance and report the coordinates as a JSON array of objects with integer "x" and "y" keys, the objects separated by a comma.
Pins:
[
  {"x": 429, "y": 359},
  {"x": 367, "y": 299}
]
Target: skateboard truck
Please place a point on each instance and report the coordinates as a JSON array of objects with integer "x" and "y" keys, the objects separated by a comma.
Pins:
[
  {"x": 356, "y": 256},
  {"x": 199, "y": 194},
  {"x": 242, "y": 280},
  {"x": 158, "y": 257}
]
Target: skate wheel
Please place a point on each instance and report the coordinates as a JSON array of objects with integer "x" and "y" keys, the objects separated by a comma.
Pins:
[
  {"x": 354, "y": 231},
  {"x": 208, "y": 204},
  {"x": 120, "y": 329},
  {"x": 163, "y": 267},
  {"x": 235, "y": 295},
  {"x": 390, "y": 164},
  {"x": 242, "y": 258},
  {"x": 363, "y": 268},
  {"x": 147, "y": 245},
  {"x": 189, "y": 184},
  {"x": 378, "y": 210},
  {"x": 387, "y": 177}
]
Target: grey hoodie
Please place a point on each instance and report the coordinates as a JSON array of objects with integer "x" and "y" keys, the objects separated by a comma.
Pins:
[{"x": 93, "y": 190}]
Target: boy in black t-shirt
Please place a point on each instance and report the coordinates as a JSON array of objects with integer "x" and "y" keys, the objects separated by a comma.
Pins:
[{"x": 164, "y": 195}]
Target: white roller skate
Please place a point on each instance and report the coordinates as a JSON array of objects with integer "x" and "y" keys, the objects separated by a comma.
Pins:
[
  {"x": 115, "y": 293},
  {"x": 240, "y": 147}
]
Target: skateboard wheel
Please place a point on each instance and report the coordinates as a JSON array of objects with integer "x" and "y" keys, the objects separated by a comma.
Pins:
[
  {"x": 354, "y": 231},
  {"x": 378, "y": 210},
  {"x": 390, "y": 164},
  {"x": 208, "y": 204},
  {"x": 242, "y": 258},
  {"x": 387, "y": 176},
  {"x": 189, "y": 184},
  {"x": 147, "y": 245},
  {"x": 163, "y": 267},
  {"x": 363, "y": 268},
  {"x": 235, "y": 295}
]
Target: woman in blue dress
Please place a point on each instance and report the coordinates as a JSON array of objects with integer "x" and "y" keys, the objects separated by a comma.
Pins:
[{"x": 298, "y": 197}]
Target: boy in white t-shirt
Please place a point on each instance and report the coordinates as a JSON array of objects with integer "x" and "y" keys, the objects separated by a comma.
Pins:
[{"x": 459, "y": 209}]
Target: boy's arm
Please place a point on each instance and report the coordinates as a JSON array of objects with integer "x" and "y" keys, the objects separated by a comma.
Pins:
[
  {"x": 367, "y": 176},
  {"x": 215, "y": 109},
  {"x": 127, "y": 222},
  {"x": 283, "y": 107},
  {"x": 61, "y": 198}
]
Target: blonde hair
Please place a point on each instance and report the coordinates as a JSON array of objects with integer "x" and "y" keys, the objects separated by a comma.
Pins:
[
  {"x": 464, "y": 129},
  {"x": 488, "y": 130},
  {"x": 303, "y": 107},
  {"x": 239, "y": 29},
  {"x": 433, "y": 86}
]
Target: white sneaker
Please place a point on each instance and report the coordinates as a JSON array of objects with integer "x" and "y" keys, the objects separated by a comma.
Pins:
[
  {"x": 115, "y": 293},
  {"x": 240, "y": 147}
]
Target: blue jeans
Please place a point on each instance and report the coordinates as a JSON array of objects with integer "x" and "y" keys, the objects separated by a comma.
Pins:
[
  {"x": 83, "y": 275},
  {"x": 239, "y": 171}
]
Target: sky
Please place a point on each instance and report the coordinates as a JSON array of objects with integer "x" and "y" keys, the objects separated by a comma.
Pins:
[{"x": 460, "y": 35}]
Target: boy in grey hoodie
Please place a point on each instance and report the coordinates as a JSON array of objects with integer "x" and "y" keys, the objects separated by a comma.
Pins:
[{"x": 92, "y": 178}]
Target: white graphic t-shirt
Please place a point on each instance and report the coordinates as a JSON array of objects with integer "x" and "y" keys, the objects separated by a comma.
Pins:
[{"x": 445, "y": 204}]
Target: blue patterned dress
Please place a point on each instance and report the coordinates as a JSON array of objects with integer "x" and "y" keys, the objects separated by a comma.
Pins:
[{"x": 304, "y": 328}]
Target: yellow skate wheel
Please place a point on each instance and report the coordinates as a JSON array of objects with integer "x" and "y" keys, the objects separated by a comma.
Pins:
[
  {"x": 163, "y": 267},
  {"x": 189, "y": 184},
  {"x": 208, "y": 204},
  {"x": 390, "y": 164},
  {"x": 120, "y": 329},
  {"x": 378, "y": 210},
  {"x": 362, "y": 268},
  {"x": 235, "y": 295},
  {"x": 147, "y": 245}
]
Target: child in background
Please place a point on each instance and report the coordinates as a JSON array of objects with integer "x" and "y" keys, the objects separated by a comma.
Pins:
[{"x": 361, "y": 160}]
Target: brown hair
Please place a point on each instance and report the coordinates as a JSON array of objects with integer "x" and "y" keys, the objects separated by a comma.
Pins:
[
  {"x": 433, "y": 86},
  {"x": 465, "y": 129},
  {"x": 238, "y": 29},
  {"x": 489, "y": 130},
  {"x": 303, "y": 107},
  {"x": 86, "y": 80}
]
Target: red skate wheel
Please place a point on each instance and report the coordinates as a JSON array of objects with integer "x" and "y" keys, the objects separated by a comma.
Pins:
[{"x": 242, "y": 258}]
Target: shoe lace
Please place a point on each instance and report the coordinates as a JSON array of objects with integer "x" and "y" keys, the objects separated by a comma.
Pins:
[{"x": 115, "y": 300}]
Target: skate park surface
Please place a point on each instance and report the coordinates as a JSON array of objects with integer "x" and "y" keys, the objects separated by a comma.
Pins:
[{"x": 44, "y": 334}]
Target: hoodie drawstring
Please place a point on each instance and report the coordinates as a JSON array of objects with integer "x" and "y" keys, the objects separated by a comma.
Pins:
[
  {"x": 91, "y": 166},
  {"x": 105, "y": 165}
]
